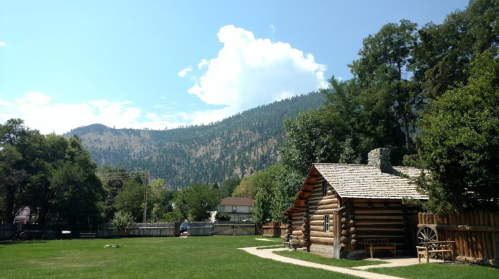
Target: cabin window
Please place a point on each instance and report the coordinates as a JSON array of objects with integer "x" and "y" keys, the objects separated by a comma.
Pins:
[
  {"x": 326, "y": 223},
  {"x": 324, "y": 188}
]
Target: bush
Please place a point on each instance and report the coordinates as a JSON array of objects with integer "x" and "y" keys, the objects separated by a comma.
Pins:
[
  {"x": 122, "y": 220},
  {"x": 222, "y": 216}
]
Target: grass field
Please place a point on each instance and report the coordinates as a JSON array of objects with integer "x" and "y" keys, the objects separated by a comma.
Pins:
[
  {"x": 192, "y": 257},
  {"x": 441, "y": 271},
  {"x": 170, "y": 257}
]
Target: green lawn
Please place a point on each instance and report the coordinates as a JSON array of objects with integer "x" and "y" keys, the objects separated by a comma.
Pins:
[
  {"x": 192, "y": 257},
  {"x": 309, "y": 257},
  {"x": 441, "y": 271},
  {"x": 170, "y": 257}
]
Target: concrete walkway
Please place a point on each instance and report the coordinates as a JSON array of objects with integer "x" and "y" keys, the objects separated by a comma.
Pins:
[
  {"x": 267, "y": 254},
  {"x": 395, "y": 262}
]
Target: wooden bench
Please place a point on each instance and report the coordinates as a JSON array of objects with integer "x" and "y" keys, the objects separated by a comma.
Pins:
[
  {"x": 68, "y": 233},
  {"x": 87, "y": 235},
  {"x": 374, "y": 244},
  {"x": 435, "y": 247}
]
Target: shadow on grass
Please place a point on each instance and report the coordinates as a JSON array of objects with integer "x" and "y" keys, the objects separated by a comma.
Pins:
[{"x": 10, "y": 242}]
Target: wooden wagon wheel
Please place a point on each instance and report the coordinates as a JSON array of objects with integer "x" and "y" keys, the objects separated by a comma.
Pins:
[
  {"x": 427, "y": 234},
  {"x": 23, "y": 236}
]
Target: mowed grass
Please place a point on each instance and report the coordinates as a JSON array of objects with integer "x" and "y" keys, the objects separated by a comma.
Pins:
[
  {"x": 309, "y": 257},
  {"x": 169, "y": 257},
  {"x": 441, "y": 271}
]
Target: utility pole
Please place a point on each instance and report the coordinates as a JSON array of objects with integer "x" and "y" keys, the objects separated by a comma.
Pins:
[{"x": 144, "y": 220}]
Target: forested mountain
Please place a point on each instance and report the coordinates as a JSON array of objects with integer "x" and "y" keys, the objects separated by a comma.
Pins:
[{"x": 237, "y": 146}]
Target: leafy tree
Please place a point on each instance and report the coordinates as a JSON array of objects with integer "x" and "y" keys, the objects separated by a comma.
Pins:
[
  {"x": 244, "y": 189},
  {"x": 459, "y": 141},
  {"x": 53, "y": 176},
  {"x": 443, "y": 52},
  {"x": 131, "y": 199},
  {"x": 261, "y": 207},
  {"x": 172, "y": 216},
  {"x": 222, "y": 216},
  {"x": 320, "y": 136},
  {"x": 386, "y": 95},
  {"x": 199, "y": 200},
  {"x": 77, "y": 189},
  {"x": 228, "y": 187},
  {"x": 113, "y": 180},
  {"x": 288, "y": 184}
]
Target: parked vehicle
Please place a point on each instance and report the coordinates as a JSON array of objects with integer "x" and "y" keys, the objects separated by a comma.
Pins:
[{"x": 183, "y": 227}]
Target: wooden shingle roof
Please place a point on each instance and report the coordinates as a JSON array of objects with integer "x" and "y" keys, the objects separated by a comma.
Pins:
[
  {"x": 368, "y": 182},
  {"x": 360, "y": 181}
]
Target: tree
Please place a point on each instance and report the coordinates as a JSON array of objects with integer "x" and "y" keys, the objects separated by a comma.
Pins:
[
  {"x": 443, "y": 52},
  {"x": 200, "y": 199},
  {"x": 78, "y": 192},
  {"x": 228, "y": 187},
  {"x": 131, "y": 198},
  {"x": 113, "y": 180},
  {"x": 222, "y": 216},
  {"x": 261, "y": 207},
  {"x": 459, "y": 141},
  {"x": 288, "y": 184},
  {"x": 387, "y": 96}
]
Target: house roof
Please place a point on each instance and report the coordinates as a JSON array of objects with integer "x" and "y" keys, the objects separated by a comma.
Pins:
[
  {"x": 236, "y": 201},
  {"x": 360, "y": 181}
]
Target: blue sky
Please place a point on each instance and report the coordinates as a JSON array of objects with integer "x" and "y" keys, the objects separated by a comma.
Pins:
[{"x": 158, "y": 64}]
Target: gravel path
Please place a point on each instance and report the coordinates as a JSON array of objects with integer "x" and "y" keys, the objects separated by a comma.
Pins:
[{"x": 267, "y": 254}]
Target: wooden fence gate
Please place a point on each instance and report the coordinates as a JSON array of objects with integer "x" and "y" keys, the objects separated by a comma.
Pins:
[{"x": 234, "y": 228}]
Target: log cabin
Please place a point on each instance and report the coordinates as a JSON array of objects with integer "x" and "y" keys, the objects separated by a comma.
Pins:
[{"x": 340, "y": 205}]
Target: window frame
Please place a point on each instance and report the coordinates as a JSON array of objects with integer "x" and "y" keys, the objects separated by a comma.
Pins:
[
  {"x": 326, "y": 223},
  {"x": 324, "y": 188}
]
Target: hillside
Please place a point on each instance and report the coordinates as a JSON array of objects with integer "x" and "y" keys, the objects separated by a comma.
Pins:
[{"x": 239, "y": 145}]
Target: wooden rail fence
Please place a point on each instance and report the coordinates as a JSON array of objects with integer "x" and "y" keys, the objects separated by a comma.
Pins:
[
  {"x": 141, "y": 229},
  {"x": 275, "y": 229},
  {"x": 476, "y": 234}
]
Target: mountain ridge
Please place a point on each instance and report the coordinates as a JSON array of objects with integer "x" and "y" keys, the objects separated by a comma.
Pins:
[{"x": 236, "y": 146}]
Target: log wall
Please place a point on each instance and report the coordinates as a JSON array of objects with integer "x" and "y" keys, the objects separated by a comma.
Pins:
[
  {"x": 384, "y": 218},
  {"x": 320, "y": 206}
]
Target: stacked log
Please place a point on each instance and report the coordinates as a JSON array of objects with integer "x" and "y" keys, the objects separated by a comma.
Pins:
[
  {"x": 383, "y": 218},
  {"x": 289, "y": 230},
  {"x": 319, "y": 207},
  {"x": 348, "y": 237},
  {"x": 305, "y": 240}
]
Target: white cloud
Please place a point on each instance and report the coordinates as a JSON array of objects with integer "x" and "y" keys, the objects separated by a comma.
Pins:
[
  {"x": 184, "y": 71},
  {"x": 272, "y": 29},
  {"x": 39, "y": 111},
  {"x": 203, "y": 63},
  {"x": 2, "y": 44},
  {"x": 249, "y": 72},
  {"x": 6, "y": 103}
]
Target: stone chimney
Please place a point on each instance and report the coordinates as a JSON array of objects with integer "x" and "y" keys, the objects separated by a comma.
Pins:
[{"x": 380, "y": 158}]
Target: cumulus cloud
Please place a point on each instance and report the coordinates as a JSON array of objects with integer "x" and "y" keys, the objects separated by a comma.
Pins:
[
  {"x": 40, "y": 112},
  {"x": 203, "y": 63},
  {"x": 184, "y": 71},
  {"x": 249, "y": 72}
]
